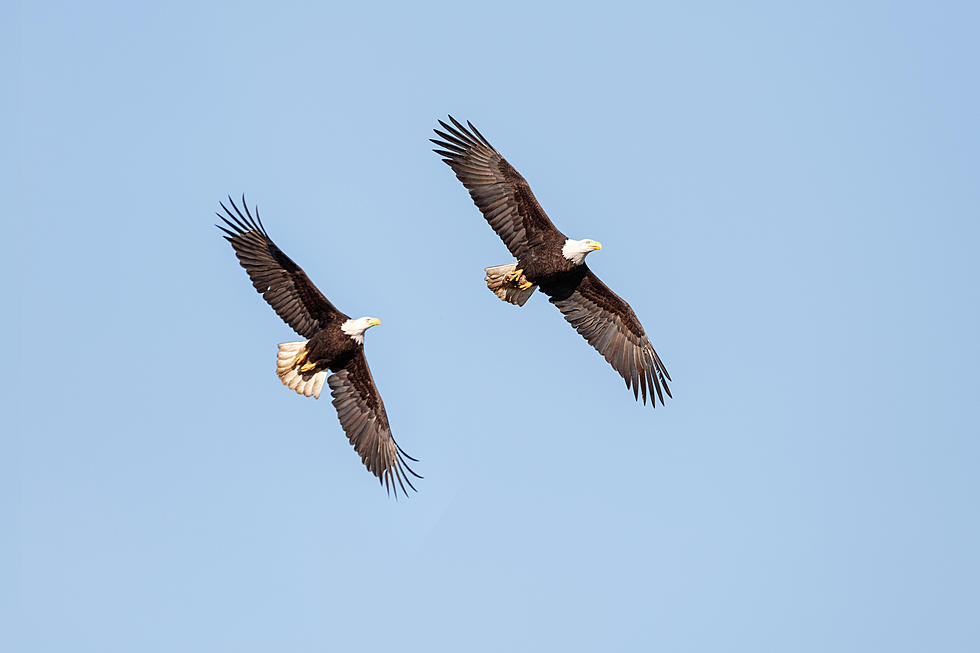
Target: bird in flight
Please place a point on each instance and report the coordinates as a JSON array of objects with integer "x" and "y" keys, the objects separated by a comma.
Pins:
[
  {"x": 550, "y": 261},
  {"x": 333, "y": 352}
]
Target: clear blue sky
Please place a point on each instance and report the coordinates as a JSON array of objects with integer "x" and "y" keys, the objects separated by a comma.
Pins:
[{"x": 787, "y": 195}]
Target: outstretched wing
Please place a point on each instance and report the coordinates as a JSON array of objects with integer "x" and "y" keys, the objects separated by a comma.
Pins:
[
  {"x": 362, "y": 414},
  {"x": 610, "y": 325},
  {"x": 499, "y": 191},
  {"x": 281, "y": 282}
]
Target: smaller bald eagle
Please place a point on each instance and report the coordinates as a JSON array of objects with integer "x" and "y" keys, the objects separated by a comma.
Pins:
[
  {"x": 335, "y": 343},
  {"x": 549, "y": 260}
]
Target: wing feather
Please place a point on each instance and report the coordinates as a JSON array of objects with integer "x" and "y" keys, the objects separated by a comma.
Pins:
[
  {"x": 498, "y": 190},
  {"x": 362, "y": 415},
  {"x": 609, "y": 324},
  {"x": 274, "y": 275}
]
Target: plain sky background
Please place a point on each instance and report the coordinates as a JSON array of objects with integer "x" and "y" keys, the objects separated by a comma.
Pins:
[{"x": 787, "y": 195}]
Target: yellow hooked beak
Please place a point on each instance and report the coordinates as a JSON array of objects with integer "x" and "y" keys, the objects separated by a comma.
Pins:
[
  {"x": 596, "y": 245},
  {"x": 374, "y": 321}
]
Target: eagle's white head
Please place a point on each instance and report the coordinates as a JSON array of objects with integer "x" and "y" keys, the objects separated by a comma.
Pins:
[
  {"x": 356, "y": 328},
  {"x": 575, "y": 250}
]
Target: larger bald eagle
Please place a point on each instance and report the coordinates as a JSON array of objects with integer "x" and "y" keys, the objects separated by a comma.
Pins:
[
  {"x": 335, "y": 343},
  {"x": 549, "y": 260}
]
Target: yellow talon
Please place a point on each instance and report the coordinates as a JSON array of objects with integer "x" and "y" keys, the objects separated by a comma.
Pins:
[
  {"x": 525, "y": 285},
  {"x": 301, "y": 356},
  {"x": 515, "y": 275},
  {"x": 307, "y": 367}
]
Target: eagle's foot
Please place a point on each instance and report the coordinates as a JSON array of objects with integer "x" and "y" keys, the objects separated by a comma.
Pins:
[
  {"x": 515, "y": 276},
  {"x": 300, "y": 357},
  {"x": 307, "y": 367},
  {"x": 525, "y": 285}
]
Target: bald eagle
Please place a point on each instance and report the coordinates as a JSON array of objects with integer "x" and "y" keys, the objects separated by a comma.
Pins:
[
  {"x": 335, "y": 343},
  {"x": 550, "y": 261}
]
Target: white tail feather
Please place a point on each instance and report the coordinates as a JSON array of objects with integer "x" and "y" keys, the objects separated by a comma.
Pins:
[
  {"x": 308, "y": 384},
  {"x": 497, "y": 282}
]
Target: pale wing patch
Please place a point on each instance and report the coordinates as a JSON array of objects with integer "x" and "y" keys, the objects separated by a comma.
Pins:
[{"x": 308, "y": 384}]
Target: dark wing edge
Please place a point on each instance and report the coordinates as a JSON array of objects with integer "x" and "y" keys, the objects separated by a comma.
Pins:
[
  {"x": 274, "y": 275},
  {"x": 608, "y": 323},
  {"x": 363, "y": 418},
  {"x": 498, "y": 190}
]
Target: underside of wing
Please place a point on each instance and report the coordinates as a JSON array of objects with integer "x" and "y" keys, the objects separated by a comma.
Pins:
[
  {"x": 281, "y": 282},
  {"x": 609, "y": 324},
  {"x": 362, "y": 415},
  {"x": 497, "y": 189}
]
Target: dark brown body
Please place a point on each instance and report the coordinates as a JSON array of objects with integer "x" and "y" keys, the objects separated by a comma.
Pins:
[
  {"x": 544, "y": 264},
  {"x": 331, "y": 349}
]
